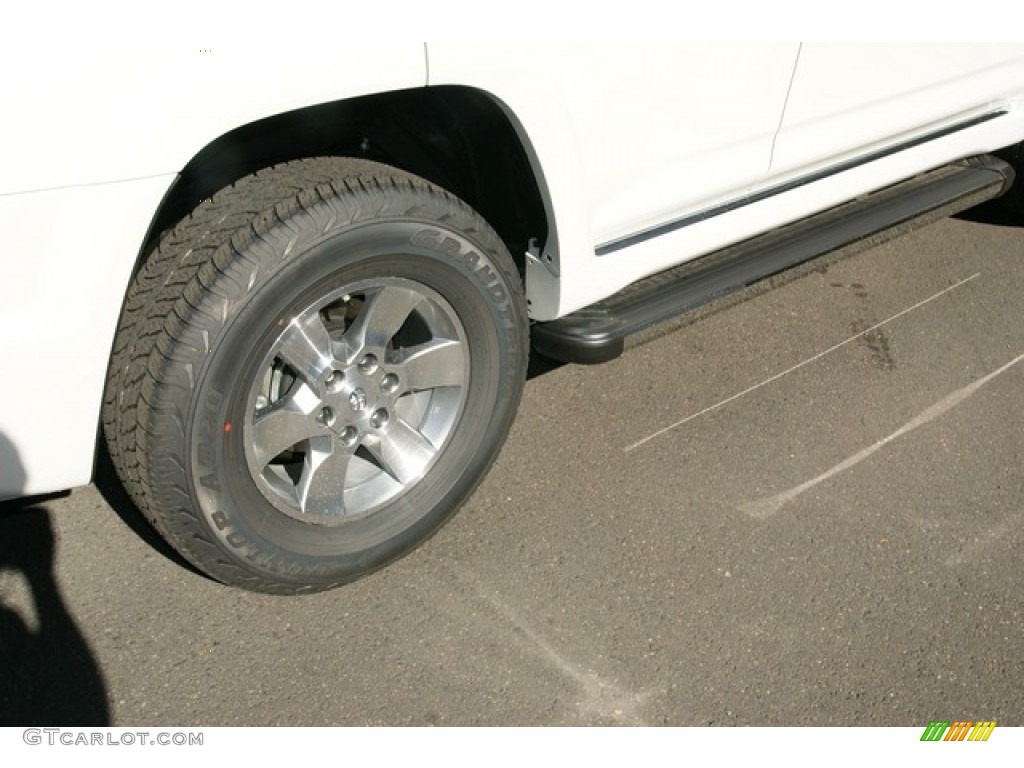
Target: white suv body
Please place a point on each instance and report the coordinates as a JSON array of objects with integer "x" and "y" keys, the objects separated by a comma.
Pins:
[{"x": 641, "y": 158}]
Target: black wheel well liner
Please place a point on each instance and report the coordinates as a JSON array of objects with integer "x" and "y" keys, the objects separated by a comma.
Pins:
[{"x": 457, "y": 137}]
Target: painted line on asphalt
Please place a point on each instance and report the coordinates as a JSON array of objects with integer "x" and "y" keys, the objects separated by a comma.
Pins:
[
  {"x": 1004, "y": 532},
  {"x": 769, "y": 505},
  {"x": 798, "y": 366},
  {"x": 600, "y": 699}
]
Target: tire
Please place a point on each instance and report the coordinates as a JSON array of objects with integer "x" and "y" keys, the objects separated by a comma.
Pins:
[{"x": 313, "y": 371}]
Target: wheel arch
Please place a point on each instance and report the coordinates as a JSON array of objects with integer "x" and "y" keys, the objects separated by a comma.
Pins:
[{"x": 459, "y": 138}]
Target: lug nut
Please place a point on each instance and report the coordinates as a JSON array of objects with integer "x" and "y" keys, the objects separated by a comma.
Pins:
[
  {"x": 334, "y": 381},
  {"x": 379, "y": 418},
  {"x": 348, "y": 436},
  {"x": 326, "y": 417},
  {"x": 368, "y": 364}
]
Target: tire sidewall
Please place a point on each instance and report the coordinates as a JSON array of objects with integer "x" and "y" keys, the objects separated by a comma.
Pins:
[{"x": 248, "y": 530}]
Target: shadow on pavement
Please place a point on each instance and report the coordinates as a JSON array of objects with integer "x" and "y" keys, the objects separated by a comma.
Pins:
[
  {"x": 48, "y": 675},
  {"x": 538, "y": 366},
  {"x": 113, "y": 492},
  {"x": 994, "y": 212}
]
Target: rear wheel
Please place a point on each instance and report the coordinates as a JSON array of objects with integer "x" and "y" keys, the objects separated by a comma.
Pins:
[{"x": 314, "y": 371}]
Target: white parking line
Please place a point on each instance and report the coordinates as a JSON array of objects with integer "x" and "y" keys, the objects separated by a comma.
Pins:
[
  {"x": 1004, "y": 533},
  {"x": 768, "y": 506},
  {"x": 799, "y": 365},
  {"x": 600, "y": 697}
]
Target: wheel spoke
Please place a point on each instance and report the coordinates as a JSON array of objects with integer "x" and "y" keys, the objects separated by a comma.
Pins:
[
  {"x": 403, "y": 451},
  {"x": 383, "y": 313},
  {"x": 437, "y": 364},
  {"x": 321, "y": 488},
  {"x": 339, "y": 428},
  {"x": 306, "y": 346},
  {"x": 289, "y": 421}
]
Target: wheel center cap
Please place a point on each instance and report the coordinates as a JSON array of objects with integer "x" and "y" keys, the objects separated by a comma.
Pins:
[{"x": 357, "y": 400}]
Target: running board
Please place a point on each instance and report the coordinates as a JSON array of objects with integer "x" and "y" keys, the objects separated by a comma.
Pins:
[{"x": 597, "y": 333}]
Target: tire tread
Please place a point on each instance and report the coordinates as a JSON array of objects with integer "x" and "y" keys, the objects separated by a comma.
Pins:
[{"x": 174, "y": 294}]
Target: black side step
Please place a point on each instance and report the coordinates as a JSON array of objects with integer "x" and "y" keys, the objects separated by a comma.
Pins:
[{"x": 597, "y": 333}]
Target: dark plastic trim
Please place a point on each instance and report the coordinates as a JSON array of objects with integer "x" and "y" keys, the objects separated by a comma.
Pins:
[{"x": 596, "y": 334}]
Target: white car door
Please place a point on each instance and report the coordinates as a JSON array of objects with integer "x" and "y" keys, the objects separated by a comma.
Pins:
[
  {"x": 654, "y": 131},
  {"x": 850, "y": 100}
]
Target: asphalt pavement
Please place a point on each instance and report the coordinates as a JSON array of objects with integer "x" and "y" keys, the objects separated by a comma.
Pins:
[{"x": 804, "y": 509}]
